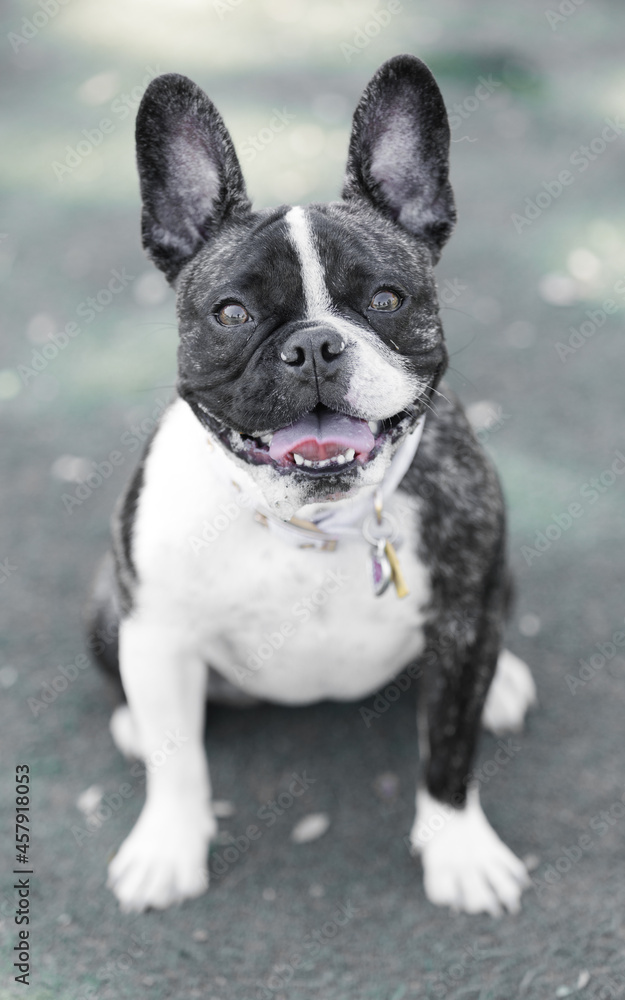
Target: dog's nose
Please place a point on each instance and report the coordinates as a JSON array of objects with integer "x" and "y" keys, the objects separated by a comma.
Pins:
[{"x": 315, "y": 351}]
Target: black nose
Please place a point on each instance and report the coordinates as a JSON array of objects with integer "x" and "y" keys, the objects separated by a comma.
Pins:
[{"x": 312, "y": 352}]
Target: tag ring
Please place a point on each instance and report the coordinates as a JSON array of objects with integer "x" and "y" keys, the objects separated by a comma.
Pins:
[{"x": 381, "y": 532}]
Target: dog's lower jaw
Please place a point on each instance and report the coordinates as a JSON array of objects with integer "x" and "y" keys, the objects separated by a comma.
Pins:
[
  {"x": 285, "y": 494},
  {"x": 465, "y": 864}
]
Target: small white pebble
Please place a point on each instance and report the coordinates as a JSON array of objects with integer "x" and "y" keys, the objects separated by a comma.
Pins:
[
  {"x": 269, "y": 895},
  {"x": 529, "y": 624},
  {"x": 317, "y": 891},
  {"x": 309, "y": 828},
  {"x": 71, "y": 468},
  {"x": 89, "y": 800},
  {"x": 583, "y": 979},
  {"x": 8, "y": 676},
  {"x": 222, "y": 809},
  {"x": 64, "y": 919},
  {"x": 531, "y": 862},
  {"x": 199, "y": 935}
]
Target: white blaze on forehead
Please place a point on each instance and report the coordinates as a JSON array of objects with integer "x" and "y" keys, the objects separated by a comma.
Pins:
[
  {"x": 318, "y": 302},
  {"x": 380, "y": 385}
]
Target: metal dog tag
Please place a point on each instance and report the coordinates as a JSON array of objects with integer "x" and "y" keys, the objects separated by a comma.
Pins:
[{"x": 381, "y": 569}]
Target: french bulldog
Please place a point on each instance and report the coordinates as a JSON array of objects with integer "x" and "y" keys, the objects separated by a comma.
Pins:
[{"x": 311, "y": 455}]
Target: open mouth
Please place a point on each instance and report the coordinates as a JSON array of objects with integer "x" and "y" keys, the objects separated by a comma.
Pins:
[{"x": 321, "y": 442}]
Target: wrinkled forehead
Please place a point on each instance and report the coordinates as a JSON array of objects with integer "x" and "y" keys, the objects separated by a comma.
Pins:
[{"x": 317, "y": 253}]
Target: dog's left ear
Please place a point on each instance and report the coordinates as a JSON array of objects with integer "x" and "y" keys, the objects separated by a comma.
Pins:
[
  {"x": 191, "y": 181},
  {"x": 399, "y": 151}
]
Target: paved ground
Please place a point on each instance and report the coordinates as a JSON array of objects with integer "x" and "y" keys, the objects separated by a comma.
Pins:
[{"x": 513, "y": 293}]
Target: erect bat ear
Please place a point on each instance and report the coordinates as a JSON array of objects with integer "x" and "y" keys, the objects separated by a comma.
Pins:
[
  {"x": 398, "y": 156},
  {"x": 190, "y": 177}
]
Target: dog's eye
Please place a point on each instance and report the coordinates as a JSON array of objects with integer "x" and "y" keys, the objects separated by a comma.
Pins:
[
  {"x": 233, "y": 314},
  {"x": 385, "y": 301}
]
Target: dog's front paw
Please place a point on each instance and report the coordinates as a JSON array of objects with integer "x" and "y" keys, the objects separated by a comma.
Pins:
[
  {"x": 511, "y": 694},
  {"x": 465, "y": 864},
  {"x": 163, "y": 861}
]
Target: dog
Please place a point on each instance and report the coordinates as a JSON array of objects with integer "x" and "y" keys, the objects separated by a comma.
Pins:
[{"x": 309, "y": 450}]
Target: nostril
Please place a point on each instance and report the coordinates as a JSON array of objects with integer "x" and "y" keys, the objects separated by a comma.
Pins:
[
  {"x": 330, "y": 349},
  {"x": 295, "y": 356}
]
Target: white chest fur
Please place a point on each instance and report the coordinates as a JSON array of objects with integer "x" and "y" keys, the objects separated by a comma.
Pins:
[{"x": 286, "y": 624}]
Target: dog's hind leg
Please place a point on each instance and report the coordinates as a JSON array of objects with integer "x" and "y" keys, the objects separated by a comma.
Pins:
[
  {"x": 103, "y": 615},
  {"x": 510, "y": 695}
]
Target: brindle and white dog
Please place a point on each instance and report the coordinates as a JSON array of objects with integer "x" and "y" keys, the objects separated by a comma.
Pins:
[{"x": 309, "y": 441}]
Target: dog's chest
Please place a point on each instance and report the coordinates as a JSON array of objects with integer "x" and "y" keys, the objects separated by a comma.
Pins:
[
  {"x": 284, "y": 623},
  {"x": 297, "y": 625}
]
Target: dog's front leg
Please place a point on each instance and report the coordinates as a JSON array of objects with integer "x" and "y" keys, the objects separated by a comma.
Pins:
[
  {"x": 466, "y": 865},
  {"x": 163, "y": 860}
]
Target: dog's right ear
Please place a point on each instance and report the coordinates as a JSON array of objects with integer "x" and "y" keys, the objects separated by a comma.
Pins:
[{"x": 190, "y": 177}]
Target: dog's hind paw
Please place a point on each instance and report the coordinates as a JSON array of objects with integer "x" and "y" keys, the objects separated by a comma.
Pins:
[
  {"x": 465, "y": 864},
  {"x": 163, "y": 861},
  {"x": 124, "y": 733},
  {"x": 511, "y": 694}
]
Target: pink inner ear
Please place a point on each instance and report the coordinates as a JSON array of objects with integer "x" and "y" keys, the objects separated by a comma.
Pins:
[
  {"x": 394, "y": 157},
  {"x": 316, "y": 436},
  {"x": 199, "y": 183}
]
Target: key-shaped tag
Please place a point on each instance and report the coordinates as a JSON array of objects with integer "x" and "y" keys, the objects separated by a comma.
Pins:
[{"x": 381, "y": 568}]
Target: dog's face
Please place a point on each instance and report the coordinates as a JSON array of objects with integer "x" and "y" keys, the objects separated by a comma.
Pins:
[{"x": 310, "y": 341}]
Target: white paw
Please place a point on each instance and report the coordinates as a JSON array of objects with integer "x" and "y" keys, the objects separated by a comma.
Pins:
[
  {"x": 124, "y": 733},
  {"x": 510, "y": 695},
  {"x": 465, "y": 864},
  {"x": 163, "y": 860}
]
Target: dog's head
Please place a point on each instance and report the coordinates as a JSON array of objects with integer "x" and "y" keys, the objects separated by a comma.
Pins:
[{"x": 310, "y": 341}]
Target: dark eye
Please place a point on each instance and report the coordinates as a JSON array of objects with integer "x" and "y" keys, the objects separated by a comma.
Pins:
[
  {"x": 385, "y": 301},
  {"x": 233, "y": 314}
]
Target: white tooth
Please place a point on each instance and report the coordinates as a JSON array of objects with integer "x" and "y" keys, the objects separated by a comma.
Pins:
[
  {"x": 307, "y": 462},
  {"x": 266, "y": 438},
  {"x": 374, "y": 426},
  {"x": 340, "y": 459},
  {"x": 349, "y": 455},
  {"x": 298, "y": 459}
]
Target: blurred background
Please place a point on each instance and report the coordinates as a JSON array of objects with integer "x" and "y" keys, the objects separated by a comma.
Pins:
[{"x": 532, "y": 288}]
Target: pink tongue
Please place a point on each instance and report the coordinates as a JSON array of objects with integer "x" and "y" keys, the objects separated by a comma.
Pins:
[{"x": 316, "y": 436}]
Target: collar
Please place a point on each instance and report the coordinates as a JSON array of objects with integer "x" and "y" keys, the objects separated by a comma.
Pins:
[{"x": 325, "y": 530}]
